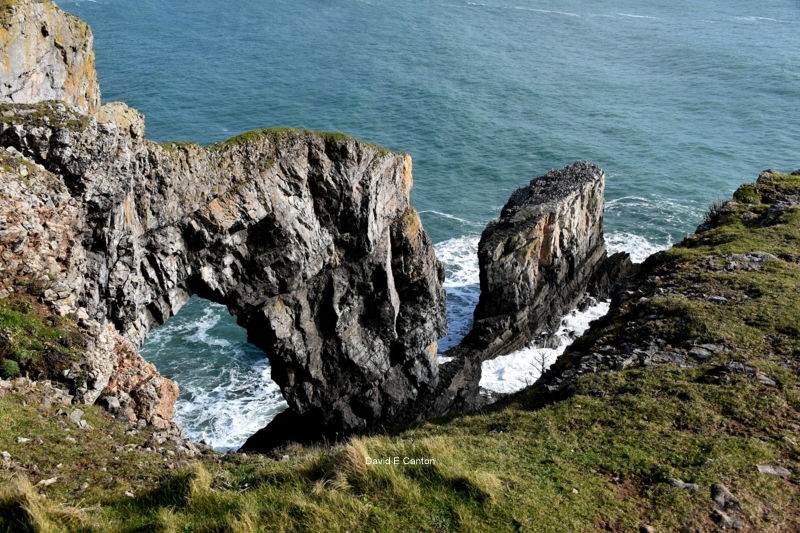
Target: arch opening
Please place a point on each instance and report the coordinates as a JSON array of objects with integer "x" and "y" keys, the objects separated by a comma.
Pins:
[{"x": 226, "y": 390}]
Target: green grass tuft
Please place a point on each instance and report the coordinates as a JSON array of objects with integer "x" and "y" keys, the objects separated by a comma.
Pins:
[{"x": 34, "y": 341}]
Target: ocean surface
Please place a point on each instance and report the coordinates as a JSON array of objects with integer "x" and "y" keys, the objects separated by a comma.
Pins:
[{"x": 679, "y": 101}]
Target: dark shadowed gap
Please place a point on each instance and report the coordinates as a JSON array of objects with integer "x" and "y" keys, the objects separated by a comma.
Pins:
[{"x": 227, "y": 393}]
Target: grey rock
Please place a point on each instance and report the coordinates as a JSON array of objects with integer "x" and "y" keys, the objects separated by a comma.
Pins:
[
  {"x": 749, "y": 262},
  {"x": 723, "y": 373},
  {"x": 23, "y": 440},
  {"x": 111, "y": 403},
  {"x": 47, "y": 56},
  {"x": 539, "y": 259},
  {"x": 724, "y": 498},
  {"x": 774, "y": 470},
  {"x": 76, "y": 417},
  {"x": 726, "y": 521},
  {"x": 700, "y": 353},
  {"x": 765, "y": 379},
  {"x": 680, "y": 484},
  {"x": 647, "y": 529},
  {"x": 714, "y": 348},
  {"x": 5, "y": 455}
]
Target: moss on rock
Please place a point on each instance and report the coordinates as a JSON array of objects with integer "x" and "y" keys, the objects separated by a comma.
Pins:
[{"x": 275, "y": 134}]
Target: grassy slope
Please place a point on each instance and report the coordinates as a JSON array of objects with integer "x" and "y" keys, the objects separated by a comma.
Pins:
[
  {"x": 33, "y": 341},
  {"x": 597, "y": 460}
]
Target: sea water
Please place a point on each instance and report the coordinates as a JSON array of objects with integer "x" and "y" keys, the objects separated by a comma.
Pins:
[{"x": 678, "y": 101}]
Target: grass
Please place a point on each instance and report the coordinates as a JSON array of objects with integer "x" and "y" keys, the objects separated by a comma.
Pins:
[
  {"x": 599, "y": 459},
  {"x": 33, "y": 341},
  {"x": 47, "y": 113},
  {"x": 174, "y": 146},
  {"x": 16, "y": 166}
]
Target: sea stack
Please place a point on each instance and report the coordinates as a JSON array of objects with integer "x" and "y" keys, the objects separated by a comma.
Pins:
[{"x": 543, "y": 255}]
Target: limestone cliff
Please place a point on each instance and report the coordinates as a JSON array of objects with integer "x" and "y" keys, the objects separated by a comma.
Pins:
[
  {"x": 308, "y": 238},
  {"x": 542, "y": 257},
  {"x": 46, "y": 55}
]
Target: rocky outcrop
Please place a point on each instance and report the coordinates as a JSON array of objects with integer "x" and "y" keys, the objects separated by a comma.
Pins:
[
  {"x": 308, "y": 238},
  {"x": 543, "y": 255},
  {"x": 46, "y": 55},
  {"x": 42, "y": 254},
  {"x": 703, "y": 302}
]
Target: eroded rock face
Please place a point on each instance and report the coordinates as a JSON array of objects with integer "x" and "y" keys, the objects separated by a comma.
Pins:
[
  {"x": 42, "y": 254},
  {"x": 46, "y": 55},
  {"x": 309, "y": 239},
  {"x": 541, "y": 258}
]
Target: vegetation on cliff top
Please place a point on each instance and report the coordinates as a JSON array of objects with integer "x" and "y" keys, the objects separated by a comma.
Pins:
[
  {"x": 52, "y": 114},
  {"x": 601, "y": 459},
  {"x": 275, "y": 134}
]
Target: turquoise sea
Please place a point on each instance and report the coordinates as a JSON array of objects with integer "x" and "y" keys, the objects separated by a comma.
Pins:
[{"x": 679, "y": 101}]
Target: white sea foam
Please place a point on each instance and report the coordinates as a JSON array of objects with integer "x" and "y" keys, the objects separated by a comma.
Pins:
[
  {"x": 639, "y": 247},
  {"x": 759, "y": 19},
  {"x": 452, "y": 217},
  {"x": 547, "y": 11},
  {"x": 633, "y": 16},
  {"x": 211, "y": 317},
  {"x": 227, "y": 393},
  {"x": 460, "y": 256},
  {"x": 244, "y": 400},
  {"x": 520, "y": 369},
  {"x": 657, "y": 211}
]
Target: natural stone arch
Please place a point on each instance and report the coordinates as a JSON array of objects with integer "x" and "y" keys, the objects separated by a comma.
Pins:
[{"x": 308, "y": 238}]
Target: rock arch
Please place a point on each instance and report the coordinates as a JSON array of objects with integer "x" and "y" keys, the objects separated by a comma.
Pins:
[{"x": 308, "y": 238}]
